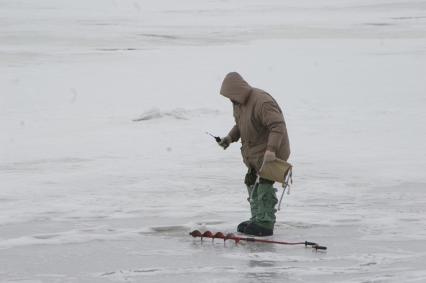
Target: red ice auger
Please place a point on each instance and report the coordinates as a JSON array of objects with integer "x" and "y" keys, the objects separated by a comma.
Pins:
[{"x": 230, "y": 236}]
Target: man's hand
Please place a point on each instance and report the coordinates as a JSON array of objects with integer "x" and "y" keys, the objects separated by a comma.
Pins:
[
  {"x": 225, "y": 142},
  {"x": 268, "y": 157}
]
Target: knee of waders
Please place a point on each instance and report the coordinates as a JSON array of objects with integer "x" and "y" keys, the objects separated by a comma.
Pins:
[{"x": 251, "y": 177}]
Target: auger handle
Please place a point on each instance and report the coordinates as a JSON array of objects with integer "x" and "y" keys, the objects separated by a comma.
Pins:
[{"x": 317, "y": 247}]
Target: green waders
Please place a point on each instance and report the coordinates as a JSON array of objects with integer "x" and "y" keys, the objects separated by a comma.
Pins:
[
  {"x": 253, "y": 205},
  {"x": 262, "y": 199}
]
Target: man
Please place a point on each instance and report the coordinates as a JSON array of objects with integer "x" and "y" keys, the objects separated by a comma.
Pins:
[{"x": 259, "y": 122}]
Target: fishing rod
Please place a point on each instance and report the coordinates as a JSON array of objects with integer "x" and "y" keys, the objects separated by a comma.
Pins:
[
  {"x": 218, "y": 139},
  {"x": 230, "y": 236}
]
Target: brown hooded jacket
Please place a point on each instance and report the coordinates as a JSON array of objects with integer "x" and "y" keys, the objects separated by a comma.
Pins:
[{"x": 259, "y": 121}]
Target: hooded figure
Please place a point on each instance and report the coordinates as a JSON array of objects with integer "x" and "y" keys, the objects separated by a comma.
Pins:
[{"x": 259, "y": 123}]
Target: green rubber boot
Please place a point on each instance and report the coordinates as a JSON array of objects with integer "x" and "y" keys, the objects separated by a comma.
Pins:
[
  {"x": 253, "y": 207},
  {"x": 252, "y": 196},
  {"x": 266, "y": 200},
  {"x": 250, "y": 181}
]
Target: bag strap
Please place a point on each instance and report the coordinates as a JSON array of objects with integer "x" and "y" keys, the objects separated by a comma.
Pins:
[{"x": 286, "y": 185}]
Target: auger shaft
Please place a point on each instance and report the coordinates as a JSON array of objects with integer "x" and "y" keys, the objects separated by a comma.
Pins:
[{"x": 230, "y": 236}]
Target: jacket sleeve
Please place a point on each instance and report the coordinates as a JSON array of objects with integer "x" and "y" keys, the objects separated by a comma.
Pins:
[
  {"x": 234, "y": 134},
  {"x": 272, "y": 118}
]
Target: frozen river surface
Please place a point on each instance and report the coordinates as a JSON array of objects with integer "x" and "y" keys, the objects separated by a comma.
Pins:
[{"x": 105, "y": 166}]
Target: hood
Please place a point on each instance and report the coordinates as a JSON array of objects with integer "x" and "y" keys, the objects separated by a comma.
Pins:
[{"x": 235, "y": 88}]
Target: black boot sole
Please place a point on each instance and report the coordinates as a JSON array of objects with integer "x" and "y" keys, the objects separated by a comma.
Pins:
[{"x": 256, "y": 230}]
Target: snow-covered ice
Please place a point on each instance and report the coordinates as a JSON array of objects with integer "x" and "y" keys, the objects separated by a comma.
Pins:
[{"x": 105, "y": 165}]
